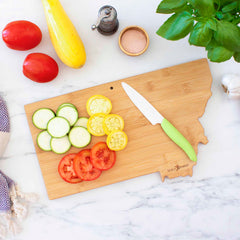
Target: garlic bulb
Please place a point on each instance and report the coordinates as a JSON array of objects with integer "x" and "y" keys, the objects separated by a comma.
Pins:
[{"x": 231, "y": 85}]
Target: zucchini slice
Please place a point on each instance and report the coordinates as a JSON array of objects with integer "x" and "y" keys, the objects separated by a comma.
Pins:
[
  {"x": 66, "y": 104},
  {"x": 58, "y": 127},
  {"x": 68, "y": 112},
  {"x": 43, "y": 141},
  {"x": 60, "y": 145},
  {"x": 81, "y": 122},
  {"x": 79, "y": 137},
  {"x": 41, "y": 117}
]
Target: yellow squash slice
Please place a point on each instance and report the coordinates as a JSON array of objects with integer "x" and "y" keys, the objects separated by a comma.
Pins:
[
  {"x": 95, "y": 124},
  {"x": 98, "y": 104},
  {"x": 112, "y": 122},
  {"x": 117, "y": 140}
]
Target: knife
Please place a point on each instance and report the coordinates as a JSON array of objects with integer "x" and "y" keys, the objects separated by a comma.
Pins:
[{"x": 155, "y": 117}]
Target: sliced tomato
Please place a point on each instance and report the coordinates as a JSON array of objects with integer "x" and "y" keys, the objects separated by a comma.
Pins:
[
  {"x": 83, "y": 166},
  {"x": 66, "y": 171},
  {"x": 102, "y": 157}
]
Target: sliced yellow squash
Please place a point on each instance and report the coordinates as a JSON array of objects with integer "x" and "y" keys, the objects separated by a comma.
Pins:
[
  {"x": 95, "y": 124},
  {"x": 117, "y": 140},
  {"x": 98, "y": 104},
  {"x": 112, "y": 122}
]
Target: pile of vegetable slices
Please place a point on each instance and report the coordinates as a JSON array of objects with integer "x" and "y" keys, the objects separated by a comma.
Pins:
[
  {"x": 62, "y": 129},
  {"x": 87, "y": 165},
  {"x": 101, "y": 122}
]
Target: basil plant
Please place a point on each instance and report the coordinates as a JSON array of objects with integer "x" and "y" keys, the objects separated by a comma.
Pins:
[{"x": 212, "y": 24}]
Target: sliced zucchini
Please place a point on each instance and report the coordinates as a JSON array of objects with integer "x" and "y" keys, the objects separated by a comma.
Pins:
[
  {"x": 81, "y": 122},
  {"x": 79, "y": 137},
  {"x": 58, "y": 127},
  {"x": 66, "y": 104},
  {"x": 68, "y": 112},
  {"x": 41, "y": 117},
  {"x": 60, "y": 145},
  {"x": 43, "y": 141}
]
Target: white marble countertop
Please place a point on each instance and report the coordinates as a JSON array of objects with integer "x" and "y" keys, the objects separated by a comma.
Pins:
[{"x": 205, "y": 206}]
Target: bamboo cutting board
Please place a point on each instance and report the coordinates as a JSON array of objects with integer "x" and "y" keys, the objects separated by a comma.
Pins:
[{"x": 180, "y": 93}]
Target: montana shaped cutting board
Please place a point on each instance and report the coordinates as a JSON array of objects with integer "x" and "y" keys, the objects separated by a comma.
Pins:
[{"x": 180, "y": 93}]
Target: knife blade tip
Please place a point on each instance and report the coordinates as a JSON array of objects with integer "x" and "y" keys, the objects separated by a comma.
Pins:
[{"x": 124, "y": 85}]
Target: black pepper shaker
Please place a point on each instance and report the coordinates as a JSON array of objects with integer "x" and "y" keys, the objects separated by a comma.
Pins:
[{"x": 107, "y": 23}]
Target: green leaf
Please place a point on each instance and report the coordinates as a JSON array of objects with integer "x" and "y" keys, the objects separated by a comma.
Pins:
[
  {"x": 170, "y": 6},
  {"x": 228, "y": 35},
  {"x": 230, "y": 7},
  {"x": 219, "y": 54},
  {"x": 177, "y": 26},
  {"x": 212, "y": 44},
  {"x": 212, "y": 24},
  {"x": 237, "y": 56},
  {"x": 201, "y": 35},
  {"x": 228, "y": 17},
  {"x": 217, "y": 4},
  {"x": 219, "y": 15},
  {"x": 236, "y": 21},
  {"x": 204, "y": 7},
  {"x": 224, "y": 2}
]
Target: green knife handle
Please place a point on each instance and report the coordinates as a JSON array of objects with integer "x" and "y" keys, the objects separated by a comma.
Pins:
[{"x": 179, "y": 139}]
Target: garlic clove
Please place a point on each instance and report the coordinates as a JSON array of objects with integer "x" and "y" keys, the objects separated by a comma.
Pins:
[
  {"x": 234, "y": 95},
  {"x": 231, "y": 85}
]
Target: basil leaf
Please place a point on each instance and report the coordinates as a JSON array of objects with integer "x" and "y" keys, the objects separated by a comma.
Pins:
[
  {"x": 177, "y": 26},
  {"x": 228, "y": 35},
  {"x": 237, "y": 56},
  {"x": 228, "y": 17},
  {"x": 219, "y": 15},
  {"x": 170, "y": 6},
  {"x": 217, "y": 4},
  {"x": 230, "y": 7},
  {"x": 225, "y": 2},
  {"x": 212, "y": 24},
  {"x": 219, "y": 54},
  {"x": 204, "y": 7},
  {"x": 212, "y": 44},
  {"x": 236, "y": 21},
  {"x": 201, "y": 35}
]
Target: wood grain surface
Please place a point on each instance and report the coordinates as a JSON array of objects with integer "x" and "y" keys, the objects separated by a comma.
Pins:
[{"x": 180, "y": 93}]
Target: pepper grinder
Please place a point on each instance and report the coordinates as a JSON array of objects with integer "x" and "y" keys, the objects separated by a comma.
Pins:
[{"x": 107, "y": 23}]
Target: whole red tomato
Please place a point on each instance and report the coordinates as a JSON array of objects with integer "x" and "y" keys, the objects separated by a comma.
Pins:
[
  {"x": 40, "y": 67},
  {"x": 21, "y": 35}
]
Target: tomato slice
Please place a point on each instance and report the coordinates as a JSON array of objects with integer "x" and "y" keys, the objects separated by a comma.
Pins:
[
  {"x": 102, "y": 157},
  {"x": 66, "y": 171},
  {"x": 83, "y": 166}
]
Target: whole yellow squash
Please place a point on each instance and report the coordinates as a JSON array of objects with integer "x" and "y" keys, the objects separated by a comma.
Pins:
[{"x": 66, "y": 41}]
